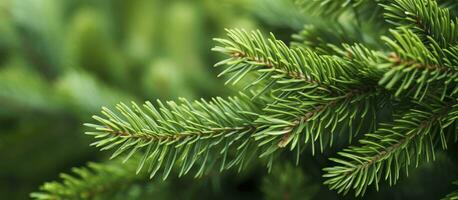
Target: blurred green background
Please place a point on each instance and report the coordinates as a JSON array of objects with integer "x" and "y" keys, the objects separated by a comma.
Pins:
[{"x": 60, "y": 61}]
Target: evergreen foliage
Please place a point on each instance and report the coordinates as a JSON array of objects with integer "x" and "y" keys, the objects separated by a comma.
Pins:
[
  {"x": 185, "y": 135},
  {"x": 96, "y": 181},
  {"x": 389, "y": 106}
]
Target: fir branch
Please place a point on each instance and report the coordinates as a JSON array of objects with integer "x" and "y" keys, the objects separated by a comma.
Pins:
[
  {"x": 297, "y": 119},
  {"x": 95, "y": 181},
  {"x": 426, "y": 18},
  {"x": 294, "y": 68},
  {"x": 392, "y": 148},
  {"x": 303, "y": 103},
  {"x": 412, "y": 66},
  {"x": 185, "y": 135},
  {"x": 312, "y": 92},
  {"x": 365, "y": 59}
]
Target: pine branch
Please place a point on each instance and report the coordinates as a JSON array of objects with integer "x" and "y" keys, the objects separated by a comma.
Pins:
[
  {"x": 393, "y": 148},
  {"x": 96, "y": 181},
  {"x": 184, "y": 135},
  {"x": 297, "y": 119},
  {"x": 308, "y": 94},
  {"x": 425, "y": 18},
  {"x": 332, "y": 84},
  {"x": 313, "y": 96},
  {"x": 365, "y": 59},
  {"x": 272, "y": 59},
  {"x": 414, "y": 67}
]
